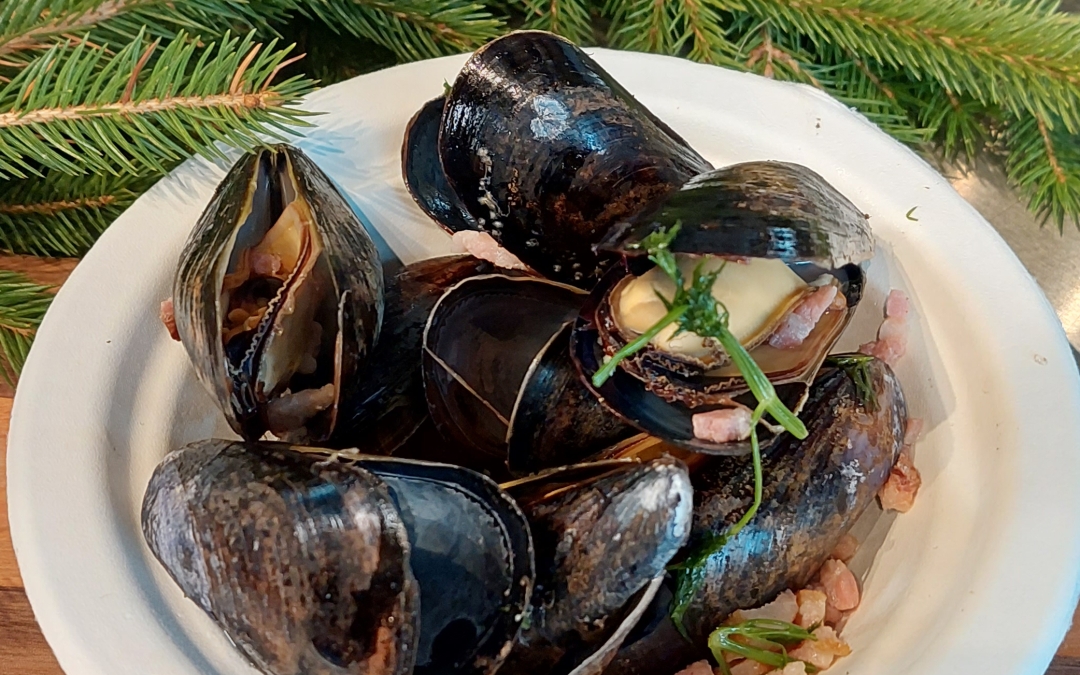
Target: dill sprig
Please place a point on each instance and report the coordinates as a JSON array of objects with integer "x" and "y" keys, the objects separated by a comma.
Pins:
[{"x": 762, "y": 640}]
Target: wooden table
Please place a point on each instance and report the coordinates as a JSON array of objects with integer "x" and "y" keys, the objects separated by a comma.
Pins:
[{"x": 23, "y": 650}]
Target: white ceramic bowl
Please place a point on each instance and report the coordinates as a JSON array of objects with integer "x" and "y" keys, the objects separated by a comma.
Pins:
[{"x": 980, "y": 577}]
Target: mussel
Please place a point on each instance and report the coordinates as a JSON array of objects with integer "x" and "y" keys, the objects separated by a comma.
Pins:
[
  {"x": 389, "y": 404},
  {"x": 499, "y": 378},
  {"x": 787, "y": 246},
  {"x": 814, "y": 491},
  {"x": 315, "y": 561},
  {"x": 603, "y": 533},
  {"x": 278, "y": 296},
  {"x": 545, "y": 151}
]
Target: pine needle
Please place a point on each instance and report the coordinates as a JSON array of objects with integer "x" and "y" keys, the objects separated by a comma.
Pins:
[
  {"x": 1044, "y": 163},
  {"x": 412, "y": 29},
  {"x": 568, "y": 18},
  {"x": 82, "y": 109},
  {"x": 22, "y": 307},
  {"x": 62, "y": 215}
]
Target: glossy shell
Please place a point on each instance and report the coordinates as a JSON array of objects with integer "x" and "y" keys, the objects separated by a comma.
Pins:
[
  {"x": 345, "y": 288},
  {"x": 305, "y": 565},
  {"x": 422, "y": 170},
  {"x": 389, "y": 402},
  {"x": 546, "y": 152},
  {"x": 600, "y": 540},
  {"x": 497, "y": 375}
]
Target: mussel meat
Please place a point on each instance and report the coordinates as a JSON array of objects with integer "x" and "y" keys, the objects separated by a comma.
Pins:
[
  {"x": 543, "y": 150},
  {"x": 498, "y": 374},
  {"x": 787, "y": 248},
  {"x": 278, "y": 296}
]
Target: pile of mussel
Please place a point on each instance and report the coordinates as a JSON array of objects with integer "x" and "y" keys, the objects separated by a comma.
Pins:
[{"x": 449, "y": 491}]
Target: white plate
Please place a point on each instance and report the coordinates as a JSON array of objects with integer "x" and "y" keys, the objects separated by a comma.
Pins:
[{"x": 981, "y": 576}]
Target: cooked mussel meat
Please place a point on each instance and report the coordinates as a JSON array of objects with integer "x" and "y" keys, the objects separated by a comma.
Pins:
[
  {"x": 545, "y": 151},
  {"x": 305, "y": 564},
  {"x": 278, "y": 296},
  {"x": 814, "y": 491},
  {"x": 499, "y": 378},
  {"x": 786, "y": 247},
  {"x": 604, "y": 533}
]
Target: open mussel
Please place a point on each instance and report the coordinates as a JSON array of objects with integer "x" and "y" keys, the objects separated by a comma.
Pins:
[
  {"x": 317, "y": 561},
  {"x": 814, "y": 491},
  {"x": 304, "y": 564},
  {"x": 604, "y": 533},
  {"x": 787, "y": 248},
  {"x": 499, "y": 378},
  {"x": 542, "y": 149},
  {"x": 278, "y": 296}
]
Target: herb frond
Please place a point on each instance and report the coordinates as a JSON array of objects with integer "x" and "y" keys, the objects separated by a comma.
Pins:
[{"x": 762, "y": 640}]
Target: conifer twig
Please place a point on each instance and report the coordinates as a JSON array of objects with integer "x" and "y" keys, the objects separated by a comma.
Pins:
[
  {"x": 22, "y": 307},
  {"x": 79, "y": 109}
]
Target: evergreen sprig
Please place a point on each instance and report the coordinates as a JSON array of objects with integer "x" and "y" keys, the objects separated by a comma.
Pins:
[
  {"x": 81, "y": 109},
  {"x": 22, "y": 307}
]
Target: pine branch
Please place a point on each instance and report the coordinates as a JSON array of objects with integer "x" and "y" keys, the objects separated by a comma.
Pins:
[
  {"x": 33, "y": 25},
  {"x": 958, "y": 124},
  {"x": 80, "y": 109},
  {"x": 641, "y": 25},
  {"x": 62, "y": 215},
  {"x": 22, "y": 307},
  {"x": 1044, "y": 163},
  {"x": 568, "y": 18},
  {"x": 413, "y": 29},
  {"x": 1022, "y": 57}
]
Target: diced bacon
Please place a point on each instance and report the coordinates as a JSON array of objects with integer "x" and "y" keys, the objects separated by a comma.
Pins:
[
  {"x": 783, "y": 608},
  {"x": 841, "y": 589},
  {"x": 811, "y": 608},
  {"x": 750, "y": 667},
  {"x": 891, "y": 344},
  {"x": 168, "y": 317},
  {"x": 722, "y": 426},
  {"x": 833, "y": 616},
  {"x": 897, "y": 305},
  {"x": 821, "y": 651},
  {"x": 699, "y": 668},
  {"x": 292, "y": 411},
  {"x": 793, "y": 668},
  {"x": 899, "y": 491},
  {"x": 798, "y": 324},
  {"x": 913, "y": 430},
  {"x": 482, "y": 245},
  {"x": 846, "y": 548}
]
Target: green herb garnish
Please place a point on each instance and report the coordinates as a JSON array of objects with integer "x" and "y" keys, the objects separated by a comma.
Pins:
[
  {"x": 696, "y": 310},
  {"x": 857, "y": 368},
  {"x": 763, "y": 640}
]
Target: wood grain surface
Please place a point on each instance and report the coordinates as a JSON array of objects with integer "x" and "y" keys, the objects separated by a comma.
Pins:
[{"x": 23, "y": 650}]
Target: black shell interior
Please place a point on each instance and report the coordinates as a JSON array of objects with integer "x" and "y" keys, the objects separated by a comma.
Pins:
[
  {"x": 423, "y": 173},
  {"x": 472, "y": 556},
  {"x": 756, "y": 210}
]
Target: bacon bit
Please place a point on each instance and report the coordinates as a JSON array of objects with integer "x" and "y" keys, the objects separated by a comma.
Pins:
[
  {"x": 722, "y": 426},
  {"x": 891, "y": 344},
  {"x": 841, "y": 589},
  {"x": 783, "y": 608},
  {"x": 482, "y": 245},
  {"x": 168, "y": 317},
  {"x": 811, "y": 607},
  {"x": 845, "y": 548},
  {"x": 793, "y": 668},
  {"x": 899, "y": 491},
  {"x": 750, "y": 667},
  {"x": 699, "y": 668},
  {"x": 821, "y": 651},
  {"x": 800, "y": 322},
  {"x": 833, "y": 616}
]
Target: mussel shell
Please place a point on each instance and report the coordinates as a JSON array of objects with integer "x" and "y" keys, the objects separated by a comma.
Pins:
[
  {"x": 355, "y": 271},
  {"x": 389, "y": 404},
  {"x": 601, "y": 541},
  {"x": 546, "y": 152},
  {"x": 755, "y": 210},
  {"x": 659, "y": 394},
  {"x": 814, "y": 491},
  {"x": 423, "y": 173},
  {"x": 496, "y": 373},
  {"x": 472, "y": 556},
  {"x": 303, "y": 563}
]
